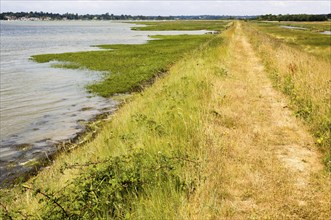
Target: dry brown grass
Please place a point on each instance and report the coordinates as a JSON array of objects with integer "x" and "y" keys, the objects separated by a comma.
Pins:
[
  {"x": 305, "y": 78},
  {"x": 260, "y": 162}
]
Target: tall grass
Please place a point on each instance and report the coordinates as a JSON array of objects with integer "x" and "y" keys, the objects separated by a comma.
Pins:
[{"x": 305, "y": 78}]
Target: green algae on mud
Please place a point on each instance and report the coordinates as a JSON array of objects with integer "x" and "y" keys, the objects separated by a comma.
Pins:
[{"x": 126, "y": 67}]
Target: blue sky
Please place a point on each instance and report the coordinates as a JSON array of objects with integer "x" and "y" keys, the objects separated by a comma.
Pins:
[{"x": 172, "y": 7}]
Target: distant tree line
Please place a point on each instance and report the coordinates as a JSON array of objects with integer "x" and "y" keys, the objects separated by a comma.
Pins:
[
  {"x": 294, "y": 17},
  {"x": 71, "y": 16},
  {"x": 106, "y": 16}
]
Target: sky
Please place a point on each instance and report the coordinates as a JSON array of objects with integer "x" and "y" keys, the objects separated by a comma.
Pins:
[{"x": 172, "y": 7}]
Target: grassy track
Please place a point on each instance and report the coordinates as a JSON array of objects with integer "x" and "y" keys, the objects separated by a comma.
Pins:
[
  {"x": 260, "y": 163},
  {"x": 305, "y": 78}
]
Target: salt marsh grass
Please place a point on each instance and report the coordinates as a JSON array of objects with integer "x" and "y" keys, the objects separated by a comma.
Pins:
[
  {"x": 127, "y": 67},
  {"x": 212, "y": 25},
  {"x": 310, "y": 40}
]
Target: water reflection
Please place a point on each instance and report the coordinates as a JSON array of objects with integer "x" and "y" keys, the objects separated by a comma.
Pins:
[{"x": 293, "y": 27}]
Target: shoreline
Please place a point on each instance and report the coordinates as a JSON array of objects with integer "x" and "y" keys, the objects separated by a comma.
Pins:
[
  {"x": 88, "y": 133},
  {"x": 26, "y": 170}
]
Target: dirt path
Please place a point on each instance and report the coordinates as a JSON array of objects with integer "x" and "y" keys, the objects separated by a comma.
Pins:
[{"x": 264, "y": 164}]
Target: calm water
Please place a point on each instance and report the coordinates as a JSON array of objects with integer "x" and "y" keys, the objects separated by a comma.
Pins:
[
  {"x": 40, "y": 105},
  {"x": 326, "y": 32},
  {"x": 301, "y": 28},
  {"x": 293, "y": 27}
]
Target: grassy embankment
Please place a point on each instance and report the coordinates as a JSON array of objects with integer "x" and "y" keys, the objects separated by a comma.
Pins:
[
  {"x": 145, "y": 162},
  {"x": 261, "y": 162},
  {"x": 304, "y": 77}
]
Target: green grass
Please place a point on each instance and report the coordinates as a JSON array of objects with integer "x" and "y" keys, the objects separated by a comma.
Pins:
[
  {"x": 309, "y": 40},
  {"x": 215, "y": 25},
  {"x": 126, "y": 67}
]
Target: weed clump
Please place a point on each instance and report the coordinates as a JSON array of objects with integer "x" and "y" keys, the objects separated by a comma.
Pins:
[{"x": 110, "y": 188}]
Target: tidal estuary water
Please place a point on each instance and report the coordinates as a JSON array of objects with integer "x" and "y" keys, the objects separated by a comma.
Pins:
[{"x": 39, "y": 105}]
